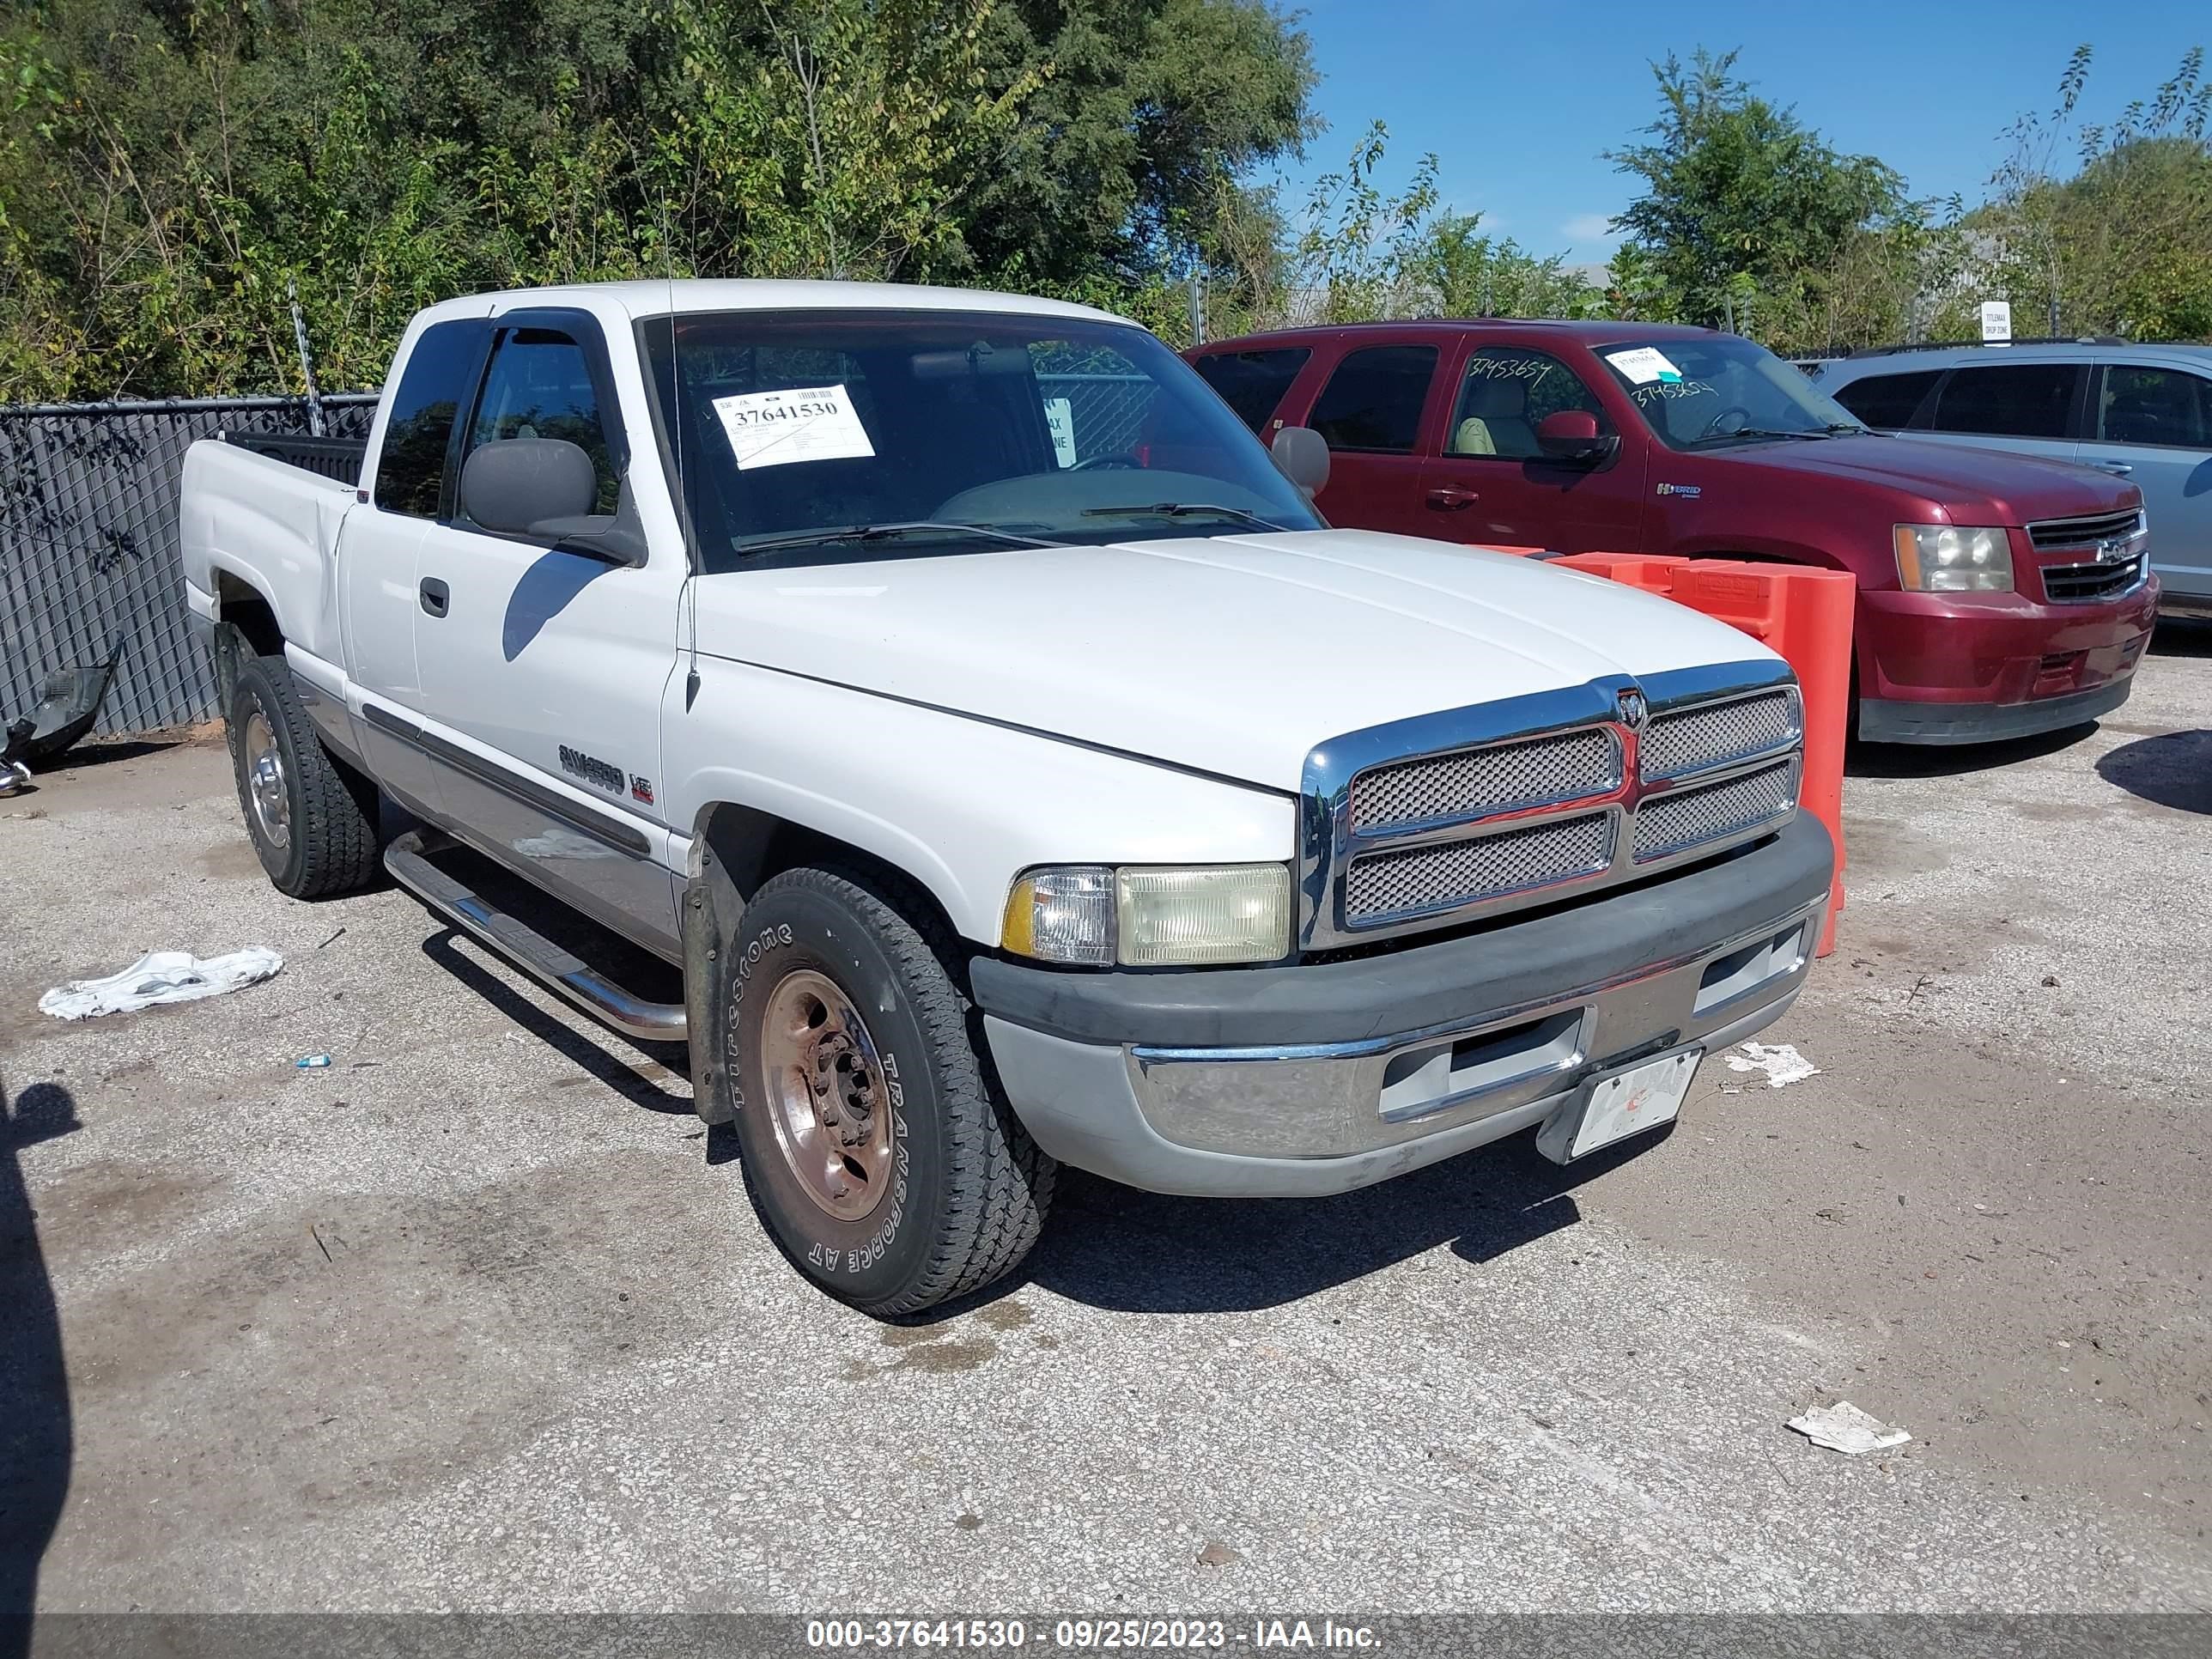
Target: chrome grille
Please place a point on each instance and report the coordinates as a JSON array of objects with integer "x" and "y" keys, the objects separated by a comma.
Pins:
[
  {"x": 1692, "y": 739},
  {"x": 1684, "y": 818},
  {"x": 1478, "y": 781},
  {"x": 1419, "y": 879},
  {"x": 2053, "y": 534},
  {"x": 1477, "y": 812},
  {"x": 2093, "y": 579}
]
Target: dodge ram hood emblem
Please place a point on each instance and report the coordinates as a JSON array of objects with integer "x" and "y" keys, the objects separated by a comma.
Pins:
[{"x": 1632, "y": 709}]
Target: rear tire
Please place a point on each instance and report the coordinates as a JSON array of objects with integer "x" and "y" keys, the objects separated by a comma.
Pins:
[
  {"x": 312, "y": 817},
  {"x": 879, "y": 1156}
]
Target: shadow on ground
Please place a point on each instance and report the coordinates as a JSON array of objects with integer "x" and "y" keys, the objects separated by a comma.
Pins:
[
  {"x": 104, "y": 752},
  {"x": 1944, "y": 759},
  {"x": 2181, "y": 636},
  {"x": 35, "y": 1442},
  {"x": 1110, "y": 1246},
  {"x": 2174, "y": 770}
]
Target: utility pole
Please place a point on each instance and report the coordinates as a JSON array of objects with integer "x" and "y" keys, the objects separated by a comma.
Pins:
[{"x": 1197, "y": 308}]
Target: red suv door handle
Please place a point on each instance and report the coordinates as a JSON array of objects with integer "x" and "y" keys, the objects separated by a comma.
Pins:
[{"x": 1449, "y": 498}]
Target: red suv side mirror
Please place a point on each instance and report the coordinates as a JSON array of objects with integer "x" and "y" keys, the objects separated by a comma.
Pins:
[{"x": 1572, "y": 436}]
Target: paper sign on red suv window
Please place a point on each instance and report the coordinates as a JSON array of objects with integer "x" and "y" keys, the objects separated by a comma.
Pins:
[
  {"x": 1643, "y": 364},
  {"x": 802, "y": 423}
]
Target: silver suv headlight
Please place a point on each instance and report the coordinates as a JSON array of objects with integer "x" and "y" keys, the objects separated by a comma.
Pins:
[{"x": 1150, "y": 915}]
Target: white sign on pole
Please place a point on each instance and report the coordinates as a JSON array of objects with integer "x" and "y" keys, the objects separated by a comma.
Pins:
[{"x": 1997, "y": 322}]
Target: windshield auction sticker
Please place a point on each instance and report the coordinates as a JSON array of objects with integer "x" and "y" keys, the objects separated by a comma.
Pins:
[
  {"x": 803, "y": 423},
  {"x": 1644, "y": 364}
]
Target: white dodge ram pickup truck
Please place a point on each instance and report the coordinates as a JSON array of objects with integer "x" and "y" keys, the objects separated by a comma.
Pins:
[{"x": 1018, "y": 768}]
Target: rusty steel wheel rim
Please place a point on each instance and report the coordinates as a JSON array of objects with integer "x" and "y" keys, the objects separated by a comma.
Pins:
[{"x": 824, "y": 1083}]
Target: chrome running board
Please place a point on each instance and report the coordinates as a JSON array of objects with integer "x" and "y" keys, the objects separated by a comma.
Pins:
[{"x": 408, "y": 861}]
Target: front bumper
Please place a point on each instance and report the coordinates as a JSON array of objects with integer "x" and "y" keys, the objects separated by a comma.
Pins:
[
  {"x": 1319, "y": 1077},
  {"x": 1952, "y": 668}
]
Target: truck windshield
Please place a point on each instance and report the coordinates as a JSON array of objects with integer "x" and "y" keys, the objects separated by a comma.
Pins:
[
  {"x": 1703, "y": 392},
  {"x": 855, "y": 436}
]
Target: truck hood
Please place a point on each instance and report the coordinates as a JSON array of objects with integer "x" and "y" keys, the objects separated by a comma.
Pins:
[
  {"x": 1974, "y": 486},
  {"x": 1233, "y": 655}
]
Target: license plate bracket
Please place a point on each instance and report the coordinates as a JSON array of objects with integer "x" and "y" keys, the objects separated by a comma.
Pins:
[{"x": 1625, "y": 1101}]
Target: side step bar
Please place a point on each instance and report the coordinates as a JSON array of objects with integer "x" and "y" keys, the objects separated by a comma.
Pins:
[{"x": 408, "y": 861}]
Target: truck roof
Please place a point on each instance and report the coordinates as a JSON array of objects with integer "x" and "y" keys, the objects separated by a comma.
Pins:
[{"x": 658, "y": 297}]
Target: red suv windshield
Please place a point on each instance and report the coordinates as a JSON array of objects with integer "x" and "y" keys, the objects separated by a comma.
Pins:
[{"x": 1702, "y": 392}]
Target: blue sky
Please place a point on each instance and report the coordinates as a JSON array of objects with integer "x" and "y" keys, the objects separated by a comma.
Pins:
[{"x": 1518, "y": 99}]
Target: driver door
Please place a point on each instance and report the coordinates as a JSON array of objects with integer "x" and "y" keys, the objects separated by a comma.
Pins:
[
  {"x": 1492, "y": 485},
  {"x": 543, "y": 670}
]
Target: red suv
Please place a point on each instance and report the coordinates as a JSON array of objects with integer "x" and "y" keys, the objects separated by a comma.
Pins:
[{"x": 1998, "y": 595}]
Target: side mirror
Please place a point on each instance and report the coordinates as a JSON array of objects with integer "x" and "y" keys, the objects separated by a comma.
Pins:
[
  {"x": 1302, "y": 456},
  {"x": 512, "y": 483},
  {"x": 547, "y": 490},
  {"x": 1572, "y": 436}
]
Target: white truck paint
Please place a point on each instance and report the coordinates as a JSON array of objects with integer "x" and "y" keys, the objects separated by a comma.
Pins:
[{"x": 1190, "y": 690}]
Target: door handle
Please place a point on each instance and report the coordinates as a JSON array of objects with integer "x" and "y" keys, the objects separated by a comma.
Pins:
[
  {"x": 1449, "y": 498},
  {"x": 435, "y": 596},
  {"x": 2118, "y": 469}
]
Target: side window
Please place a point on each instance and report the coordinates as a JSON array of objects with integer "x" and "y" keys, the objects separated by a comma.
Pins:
[
  {"x": 411, "y": 465},
  {"x": 540, "y": 385},
  {"x": 2156, "y": 406},
  {"x": 1373, "y": 400},
  {"x": 1252, "y": 382},
  {"x": 1507, "y": 390},
  {"x": 1887, "y": 400},
  {"x": 2019, "y": 400}
]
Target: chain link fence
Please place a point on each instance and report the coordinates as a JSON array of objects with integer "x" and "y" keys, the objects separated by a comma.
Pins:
[
  {"x": 88, "y": 544},
  {"x": 1108, "y": 411}
]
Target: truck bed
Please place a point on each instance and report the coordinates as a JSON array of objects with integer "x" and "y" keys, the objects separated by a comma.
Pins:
[
  {"x": 337, "y": 458},
  {"x": 272, "y": 525}
]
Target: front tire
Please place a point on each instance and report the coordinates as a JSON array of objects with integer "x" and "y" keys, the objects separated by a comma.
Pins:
[
  {"x": 876, "y": 1154},
  {"x": 312, "y": 819}
]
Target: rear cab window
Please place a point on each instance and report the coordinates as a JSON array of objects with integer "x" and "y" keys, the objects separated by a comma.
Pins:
[
  {"x": 1374, "y": 400},
  {"x": 2009, "y": 400},
  {"x": 1253, "y": 383}
]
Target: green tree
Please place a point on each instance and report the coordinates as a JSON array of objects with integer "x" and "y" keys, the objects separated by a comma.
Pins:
[
  {"x": 171, "y": 169},
  {"x": 1740, "y": 199},
  {"x": 2106, "y": 227},
  {"x": 1467, "y": 274}
]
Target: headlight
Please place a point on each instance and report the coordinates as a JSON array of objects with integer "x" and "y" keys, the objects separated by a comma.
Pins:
[
  {"x": 1147, "y": 916},
  {"x": 1944, "y": 558}
]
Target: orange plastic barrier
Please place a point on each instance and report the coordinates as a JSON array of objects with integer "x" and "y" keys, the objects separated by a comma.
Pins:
[{"x": 1803, "y": 614}]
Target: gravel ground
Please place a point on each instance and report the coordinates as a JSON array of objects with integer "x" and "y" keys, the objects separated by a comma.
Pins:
[{"x": 478, "y": 1318}]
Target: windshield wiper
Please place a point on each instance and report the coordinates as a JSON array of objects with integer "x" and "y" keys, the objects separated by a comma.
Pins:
[
  {"x": 1179, "y": 510},
  {"x": 884, "y": 533},
  {"x": 1766, "y": 432}
]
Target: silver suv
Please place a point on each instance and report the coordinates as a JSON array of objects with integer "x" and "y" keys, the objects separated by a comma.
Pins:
[{"x": 2141, "y": 411}]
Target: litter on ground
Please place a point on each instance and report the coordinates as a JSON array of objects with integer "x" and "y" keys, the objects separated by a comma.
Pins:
[
  {"x": 1781, "y": 1062},
  {"x": 1843, "y": 1427},
  {"x": 313, "y": 1063},
  {"x": 160, "y": 976}
]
